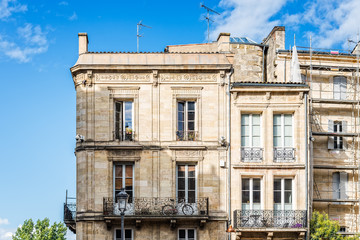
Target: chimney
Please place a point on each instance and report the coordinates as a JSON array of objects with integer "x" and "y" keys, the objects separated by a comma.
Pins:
[
  {"x": 276, "y": 38},
  {"x": 223, "y": 42},
  {"x": 83, "y": 43}
]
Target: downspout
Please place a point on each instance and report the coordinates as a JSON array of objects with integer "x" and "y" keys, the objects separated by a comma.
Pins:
[
  {"x": 229, "y": 147},
  {"x": 307, "y": 165}
]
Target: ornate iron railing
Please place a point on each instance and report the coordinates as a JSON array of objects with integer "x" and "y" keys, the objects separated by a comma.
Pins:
[
  {"x": 187, "y": 136},
  {"x": 251, "y": 154},
  {"x": 159, "y": 207},
  {"x": 128, "y": 135},
  {"x": 69, "y": 212},
  {"x": 284, "y": 154},
  {"x": 270, "y": 219}
]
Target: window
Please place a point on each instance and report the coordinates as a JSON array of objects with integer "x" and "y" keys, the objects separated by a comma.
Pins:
[
  {"x": 128, "y": 234},
  {"x": 187, "y": 234},
  {"x": 339, "y": 185},
  {"x": 124, "y": 130},
  {"x": 283, "y": 130},
  {"x": 282, "y": 194},
  {"x": 251, "y": 137},
  {"x": 251, "y": 194},
  {"x": 336, "y": 127},
  {"x": 340, "y": 87},
  {"x": 186, "y": 183},
  {"x": 123, "y": 178},
  {"x": 186, "y": 121}
]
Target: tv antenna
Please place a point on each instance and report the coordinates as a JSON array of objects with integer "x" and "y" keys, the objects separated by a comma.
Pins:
[
  {"x": 208, "y": 19},
  {"x": 138, "y": 35}
]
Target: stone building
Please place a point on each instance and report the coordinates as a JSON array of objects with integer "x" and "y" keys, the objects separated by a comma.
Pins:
[{"x": 202, "y": 136}]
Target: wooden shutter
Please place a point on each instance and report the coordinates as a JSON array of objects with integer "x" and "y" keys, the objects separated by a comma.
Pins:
[
  {"x": 336, "y": 185},
  {"x": 344, "y": 130},
  {"x": 331, "y": 139},
  {"x": 336, "y": 90},
  {"x": 343, "y": 185}
]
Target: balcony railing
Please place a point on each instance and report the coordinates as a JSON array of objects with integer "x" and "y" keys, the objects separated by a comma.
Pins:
[
  {"x": 128, "y": 135},
  {"x": 187, "y": 136},
  {"x": 270, "y": 219},
  {"x": 284, "y": 154},
  {"x": 159, "y": 207},
  {"x": 251, "y": 154},
  {"x": 69, "y": 212}
]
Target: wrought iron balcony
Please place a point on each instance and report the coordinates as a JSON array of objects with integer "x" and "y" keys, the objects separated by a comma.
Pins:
[
  {"x": 251, "y": 154},
  {"x": 187, "y": 135},
  {"x": 284, "y": 154},
  {"x": 128, "y": 135},
  {"x": 270, "y": 219},
  {"x": 155, "y": 207},
  {"x": 70, "y": 216}
]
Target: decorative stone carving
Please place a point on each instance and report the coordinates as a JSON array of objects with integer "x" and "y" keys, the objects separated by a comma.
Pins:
[
  {"x": 190, "y": 77},
  {"x": 268, "y": 95},
  {"x": 130, "y": 77},
  {"x": 188, "y": 153}
]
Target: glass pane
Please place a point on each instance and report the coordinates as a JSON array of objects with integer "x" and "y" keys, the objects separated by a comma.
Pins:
[
  {"x": 245, "y": 119},
  {"x": 288, "y": 141},
  {"x": 277, "y": 207},
  {"x": 277, "y": 130},
  {"x": 118, "y": 233},
  {"x": 180, "y": 106},
  {"x": 191, "y": 183},
  {"x": 256, "y": 184},
  {"x": 245, "y": 130},
  {"x": 245, "y": 141},
  {"x": 191, "y": 171},
  {"x": 288, "y": 130},
  {"x": 191, "y": 233},
  {"x": 288, "y": 184},
  {"x": 191, "y": 196},
  {"x": 118, "y": 183},
  {"x": 191, "y": 126},
  {"x": 288, "y": 119},
  {"x": 128, "y": 115},
  {"x": 256, "y": 197},
  {"x": 277, "y": 184},
  {"x": 256, "y": 130},
  {"x": 245, "y": 184},
  {"x": 182, "y": 233},
  {"x": 181, "y": 171},
  {"x": 277, "y": 141},
  {"x": 181, "y": 183},
  {"x": 128, "y": 233},
  {"x": 191, "y": 106},
  {"x": 180, "y": 116},
  {"x": 256, "y": 142},
  {"x": 256, "y": 119},
  {"x": 118, "y": 171},
  {"x": 129, "y": 171},
  {"x": 245, "y": 197},
  {"x": 191, "y": 116},
  {"x": 181, "y": 194},
  {"x": 288, "y": 197},
  {"x": 128, "y": 182},
  {"x": 277, "y": 197},
  {"x": 256, "y": 206},
  {"x": 277, "y": 119}
]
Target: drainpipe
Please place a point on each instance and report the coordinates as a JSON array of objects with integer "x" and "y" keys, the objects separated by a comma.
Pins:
[
  {"x": 229, "y": 146},
  {"x": 306, "y": 164}
]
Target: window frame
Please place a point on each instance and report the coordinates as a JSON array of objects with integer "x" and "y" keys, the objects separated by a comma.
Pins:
[
  {"x": 251, "y": 141},
  {"x": 124, "y": 164},
  {"x": 282, "y": 125},
  {"x": 122, "y": 133},
  {"x": 186, "y": 233},
  {"x": 338, "y": 141},
  {"x": 186, "y": 120},
  {"x": 251, "y": 192},
  {"x": 126, "y": 229},
  {"x": 340, "y": 80},
  {"x": 282, "y": 191},
  {"x": 186, "y": 190}
]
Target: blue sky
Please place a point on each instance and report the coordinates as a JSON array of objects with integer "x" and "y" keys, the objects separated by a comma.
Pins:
[{"x": 38, "y": 45}]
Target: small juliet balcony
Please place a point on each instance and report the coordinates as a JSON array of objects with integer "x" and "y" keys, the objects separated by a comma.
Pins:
[
  {"x": 252, "y": 154},
  {"x": 284, "y": 154},
  {"x": 159, "y": 208},
  {"x": 187, "y": 135},
  {"x": 70, "y": 216},
  {"x": 271, "y": 219}
]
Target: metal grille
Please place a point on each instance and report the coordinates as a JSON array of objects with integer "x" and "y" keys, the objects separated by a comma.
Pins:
[
  {"x": 69, "y": 212},
  {"x": 251, "y": 154},
  {"x": 284, "y": 154},
  {"x": 187, "y": 136}
]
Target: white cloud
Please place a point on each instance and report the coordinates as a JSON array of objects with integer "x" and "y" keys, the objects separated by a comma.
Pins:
[
  {"x": 73, "y": 17},
  {"x": 34, "y": 42},
  {"x": 4, "y": 221},
  {"x": 5, "y": 234},
  {"x": 247, "y": 18},
  {"x": 8, "y": 7}
]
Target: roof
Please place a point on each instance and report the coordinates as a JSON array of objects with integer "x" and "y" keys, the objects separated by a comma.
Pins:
[{"x": 268, "y": 84}]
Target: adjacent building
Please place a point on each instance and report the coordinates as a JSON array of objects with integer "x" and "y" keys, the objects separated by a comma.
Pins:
[{"x": 204, "y": 136}]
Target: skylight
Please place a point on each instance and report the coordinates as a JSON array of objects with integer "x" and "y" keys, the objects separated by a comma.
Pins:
[{"x": 241, "y": 40}]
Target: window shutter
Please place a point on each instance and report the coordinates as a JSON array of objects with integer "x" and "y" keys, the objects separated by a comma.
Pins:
[
  {"x": 343, "y": 185},
  {"x": 343, "y": 88},
  {"x": 344, "y": 130},
  {"x": 336, "y": 185},
  {"x": 336, "y": 86},
  {"x": 331, "y": 139}
]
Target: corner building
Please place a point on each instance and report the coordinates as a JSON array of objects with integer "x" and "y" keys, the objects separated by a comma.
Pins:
[{"x": 201, "y": 136}]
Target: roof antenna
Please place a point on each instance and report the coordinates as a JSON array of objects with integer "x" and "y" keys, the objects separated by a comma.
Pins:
[
  {"x": 138, "y": 28},
  {"x": 208, "y": 18}
]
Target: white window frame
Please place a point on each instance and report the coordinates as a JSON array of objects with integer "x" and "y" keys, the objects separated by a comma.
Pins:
[
  {"x": 251, "y": 130},
  {"x": 186, "y": 233},
  {"x": 283, "y": 130},
  {"x": 251, "y": 192},
  {"x": 186, "y": 180},
  {"x": 124, "y": 164},
  {"x": 132, "y": 233},
  {"x": 283, "y": 192},
  {"x": 186, "y": 120},
  {"x": 123, "y": 133},
  {"x": 339, "y": 80}
]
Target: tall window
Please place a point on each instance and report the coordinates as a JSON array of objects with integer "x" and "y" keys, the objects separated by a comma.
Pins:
[
  {"x": 283, "y": 194},
  {"x": 251, "y": 193},
  {"x": 336, "y": 142},
  {"x": 186, "y": 121},
  {"x": 124, "y": 121},
  {"x": 128, "y": 234},
  {"x": 186, "y": 183},
  {"x": 124, "y": 178},
  {"x": 250, "y": 130},
  {"x": 340, "y": 87},
  {"x": 187, "y": 234},
  {"x": 339, "y": 185},
  {"x": 283, "y": 130}
]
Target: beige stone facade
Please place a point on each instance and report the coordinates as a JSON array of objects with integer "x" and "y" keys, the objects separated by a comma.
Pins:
[{"x": 201, "y": 136}]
